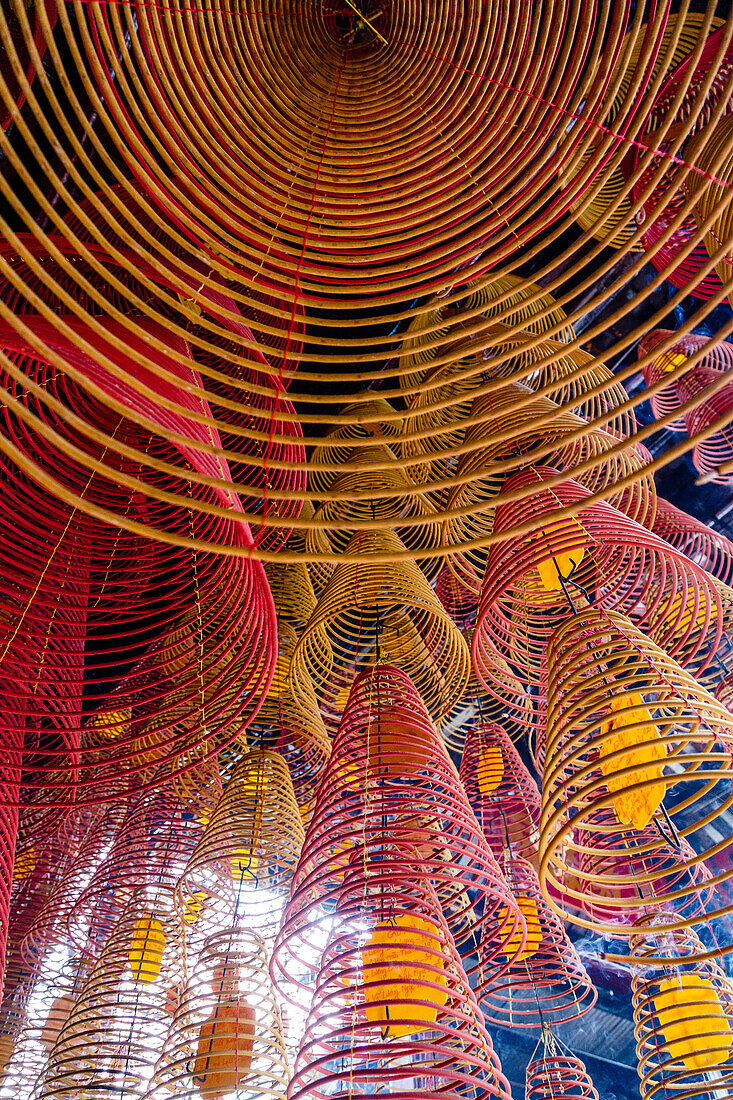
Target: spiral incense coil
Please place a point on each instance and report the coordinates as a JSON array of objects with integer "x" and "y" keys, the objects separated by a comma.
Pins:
[
  {"x": 611, "y": 872},
  {"x": 457, "y": 587},
  {"x": 251, "y": 843},
  {"x": 531, "y": 581},
  {"x": 231, "y": 224},
  {"x": 555, "y": 1073},
  {"x": 150, "y": 849},
  {"x": 503, "y": 794},
  {"x": 52, "y": 1003},
  {"x": 474, "y": 701},
  {"x": 108, "y": 1041},
  {"x": 292, "y": 592},
  {"x": 546, "y": 982},
  {"x": 605, "y": 207},
  {"x": 226, "y": 1030},
  {"x": 385, "y": 605},
  {"x": 670, "y": 355},
  {"x": 389, "y": 782},
  {"x": 653, "y": 761},
  {"x": 375, "y": 490},
  {"x": 713, "y": 150},
  {"x": 701, "y": 543},
  {"x": 80, "y": 609},
  {"x": 378, "y": 421},
  {"x": 392, "y": 1001},
  {"x": 705, "y": 88},
  {"x": 535, "y": 430},
  {"x": 682, "y": 1014}
]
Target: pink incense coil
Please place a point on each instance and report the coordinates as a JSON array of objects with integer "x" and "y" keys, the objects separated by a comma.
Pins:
[
  {"x": 390, "y": 785},
  {"x": 503, "y": 794},
  {"x": 392, "y": 1002},
  {"x": 557, "y": 1074},
  {"x": 695, "y": 539},
  {"x": 618, "y": 564},
  {"x": 547, "y": 982}
]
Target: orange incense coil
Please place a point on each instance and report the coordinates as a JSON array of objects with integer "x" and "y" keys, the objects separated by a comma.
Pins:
[
  {"x": 512, "y": 428},
  {"x": 251, "y": 843},
  {"x": 611, "y": 871},
  {"x": 390, "y": 787},
  {"x": 292, "y": 591},
  {"x": 682, "y": 1012},
  {"x": 474, "y": 701},
  {"x": 628, "y": 731},
  {"x": 714, "y": 157},
  {"x": 599, "y": 555},
  {"x": 395, "y": 994},
  {"x": 555, "y": 1073},
  {"x": 503, "y": 794},
  {"x": 359, "y": 600},
  {"x": 226, "y": 1031},
  {"x": 369, "y": 486},
  {"x": 547, "y": 981}
]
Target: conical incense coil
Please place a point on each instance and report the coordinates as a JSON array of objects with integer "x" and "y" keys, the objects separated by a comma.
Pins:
[
  {"x": 546, "y": 982},
  {"x": 360, "y": 600},
  {"x": 376, "y": 490},
  {"x": 378, "y": 422},
  {"x": 475, "y": 701},
  {"x": 292, "y": 591},
  {"x": 695, "y": 539},
  {"x": 119, "y": 1019},
  {"x": 512, "y": 428},
  {"x": 226, "y": 1031},
  {"x": 250, "y": 845},
  {"x": 390, "y": 783},
  {"x": 392, "y": 1003},
  {"x": 54, "y": 998},
  {"x": 683, "y": 1013},
  {"x": 594, "y": 555},
  {"x": 502, "y": 793},
  {"x": 628, "y": 729},
  {"x": 150, "y": 849},
  {"x": 555, "y": 1073},
  {"x": 294, "y": 728},
  {"x": 611, "y": 872},
  {"x": 218, "y": 259}
]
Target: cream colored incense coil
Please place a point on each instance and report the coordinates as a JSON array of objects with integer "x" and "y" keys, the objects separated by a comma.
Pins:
[
  {"x": 226, "y": 1033},
  {"x": 294, "y": 728},
  {"x": 251, "y": 844},
  {"x": 683, "y": 1014},
  {"x": 547, "y": 982},
  {"x": 378, "y": 490},
  {"x": 109, "y": 1042},
  {"x": 377, "y": 419},
  {"x": 627, "y": 728},
  {"x": 340, "y": 638},
  {"x": 514, "y": 302}
]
